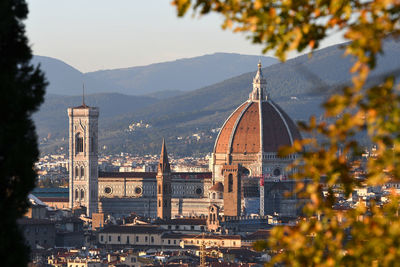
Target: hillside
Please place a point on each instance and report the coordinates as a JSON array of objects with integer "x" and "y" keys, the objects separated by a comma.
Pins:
[
  {"x": 66, "y": 80},
  {"x": 298, "y": 86},
  {"x": 52, "y": 119},
  {"x": 160, "y": 80},
  {"x": 181, "y": 75}
]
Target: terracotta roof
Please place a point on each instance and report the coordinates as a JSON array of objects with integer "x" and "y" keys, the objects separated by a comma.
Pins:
[
  {"x": 218, "y": 187},
  {"x": 222, "y": 144},
  {"x": 247, "y": 135},
  {"x": 259, "y": 234},
  {"x": 278, "y": 128},
  {"x": 132, "y": 229},
  {"x": 181, "y": 221},
  {"x": 194, "y": 175},
  {"x": 54, "y": 199},
  {"x": 241, "y": 132},
  {"x": 127, "y": 175},
  {"x": 197, "y": 236},
  {"x": 182, "y": 175}
]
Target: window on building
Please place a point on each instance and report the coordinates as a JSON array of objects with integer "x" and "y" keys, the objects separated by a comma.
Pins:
[
  {"x": 101, "y": 238},
  {"x": 159, "y": 203},
  {"x": 107, "y": 190},
  {"x": 146, "y": 239},
  {"x": 174, "y": 242},
  {"x": 76, "y": 194},
  {"x": 152, "y": 239},
  {"x": 82, "y": 171},
  {"x": 137, "y": 239},
  {"x": 169, "y": 241},
  {"x": 159, "y": 189},
  {"x": 76, "y": 172},
  {"x": 82, "y": 194},
  {"x": 79, "y": 143},
  {"x": 127, "y": 239},
  {"x": 119, "y": 239},
  {"x": 192, "y": 227},
  {"x": 109, "y": 238},
  {"x": 230, "y": 182}
]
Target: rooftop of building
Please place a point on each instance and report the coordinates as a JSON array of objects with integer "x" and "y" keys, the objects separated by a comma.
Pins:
[
  {"x": 28, "y": 221},
  {"x": 181, "y": 221},
  {"x": 152, "y": 175},
  {"x": 201, "y": 236},
  {"x": 135, "y": 229},
  {"x": 258, "y": 125}
]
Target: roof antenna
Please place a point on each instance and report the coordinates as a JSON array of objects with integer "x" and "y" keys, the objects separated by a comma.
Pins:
[{"x": 83, "y": 94}]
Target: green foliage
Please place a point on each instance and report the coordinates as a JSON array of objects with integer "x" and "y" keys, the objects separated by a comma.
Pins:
[
  {"x": 22, "y": 89},
  {"x": 367, "y": 235}
]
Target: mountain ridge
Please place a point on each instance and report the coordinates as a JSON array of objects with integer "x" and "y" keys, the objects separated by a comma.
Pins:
[
  {"x": 64, "y": 79},
  {"x": 299, "y": 86}
]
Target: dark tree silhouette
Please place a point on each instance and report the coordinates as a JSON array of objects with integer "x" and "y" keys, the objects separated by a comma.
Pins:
[{"x": 22, "y": 89}]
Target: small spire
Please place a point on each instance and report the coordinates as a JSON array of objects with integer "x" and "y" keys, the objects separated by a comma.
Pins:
[
  {"x": 83, "y": 94},
  {"x": 164, "y": 163},
  {"x": 259, "y": 74},
  {"x": 259, "y": 85}
]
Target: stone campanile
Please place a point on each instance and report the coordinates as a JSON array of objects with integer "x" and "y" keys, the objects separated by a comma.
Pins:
[
  {"x": 164, "y": 189},
  {"x": 83, "y": 145}
]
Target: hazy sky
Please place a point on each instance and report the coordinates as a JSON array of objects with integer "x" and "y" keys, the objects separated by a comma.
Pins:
[{"x": 106, "y": 34}]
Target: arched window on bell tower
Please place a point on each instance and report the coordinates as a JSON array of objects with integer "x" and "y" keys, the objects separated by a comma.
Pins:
[
  {"x": 82, "y": 194},
  {"x": 79, "y": 143},
  {"x": 82, "y": 172}
]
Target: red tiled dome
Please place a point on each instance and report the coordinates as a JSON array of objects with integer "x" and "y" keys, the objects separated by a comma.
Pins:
[{"x": 241, "y": 132}]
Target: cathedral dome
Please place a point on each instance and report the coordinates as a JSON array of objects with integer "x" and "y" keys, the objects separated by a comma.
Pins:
[{"x": 258, "y": 125}]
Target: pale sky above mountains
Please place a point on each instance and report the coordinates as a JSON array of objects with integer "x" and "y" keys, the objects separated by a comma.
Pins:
[{"x": 103, "y": 34}]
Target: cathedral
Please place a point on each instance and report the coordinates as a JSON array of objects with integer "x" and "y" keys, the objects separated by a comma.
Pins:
[{"x": 247, "y": 176}]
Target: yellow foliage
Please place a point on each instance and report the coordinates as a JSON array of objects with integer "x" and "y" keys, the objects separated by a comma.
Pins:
[{"x": 368, "y": 235}]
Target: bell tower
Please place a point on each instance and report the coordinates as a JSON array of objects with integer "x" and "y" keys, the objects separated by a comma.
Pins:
[
  {"x": 83, "y": 173},
  {"x": 164, "y": 190},
  {"x": 232, "y": 190}
]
